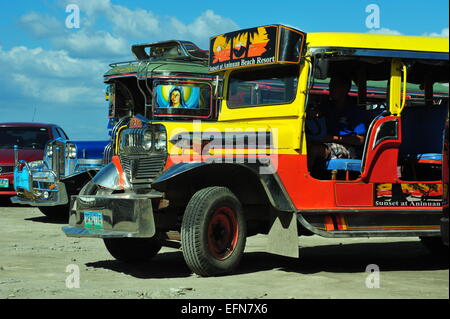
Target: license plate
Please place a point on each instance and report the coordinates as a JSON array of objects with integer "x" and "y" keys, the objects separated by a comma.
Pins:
[
  {"x": 4, "y": 183},
  {"x": 93, "y": 220}
]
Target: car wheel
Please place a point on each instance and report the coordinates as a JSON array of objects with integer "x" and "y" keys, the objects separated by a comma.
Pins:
[{"x": 213, "y": 232}]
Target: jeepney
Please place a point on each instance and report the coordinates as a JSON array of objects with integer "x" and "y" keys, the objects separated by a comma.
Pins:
[{"x": 204, "y": 178}]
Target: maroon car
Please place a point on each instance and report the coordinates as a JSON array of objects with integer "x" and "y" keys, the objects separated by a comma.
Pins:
[{"x": 30, "y": 139}]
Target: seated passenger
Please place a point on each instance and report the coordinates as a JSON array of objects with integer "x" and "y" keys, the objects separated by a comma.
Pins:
[{"x": 346, "y": 125}]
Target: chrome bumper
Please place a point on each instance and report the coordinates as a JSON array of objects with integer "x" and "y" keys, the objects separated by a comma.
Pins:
[
  {"x": 57, "y": 196},
  {"x": 117, "y": 215},
  {"x": 29, "y": 184}
]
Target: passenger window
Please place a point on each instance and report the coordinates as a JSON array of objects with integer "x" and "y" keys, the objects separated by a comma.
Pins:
[{"x": 275, "y": 85}]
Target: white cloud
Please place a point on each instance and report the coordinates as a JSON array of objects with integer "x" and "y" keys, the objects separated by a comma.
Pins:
[
  {"x": 98, "y": 44},
  {"x": 89, "y": 7},
  {"x": 64, "y": 90},
  {"x": 49, "y": 63},
  {"x": 141, "y": 25},
  {"x": 385, "y": 31},
  {"x": 41, "y": 26},
  {"x": 83, "y": 42},
  {"x": 443, "y": 33},
  {"x": 201, "y": 29},
  {"x": 51, "y": 76},
  {"x": 55, "y": 91},
  {"x": 136, "y": 24},
  {"x": 209, "y": 24}
]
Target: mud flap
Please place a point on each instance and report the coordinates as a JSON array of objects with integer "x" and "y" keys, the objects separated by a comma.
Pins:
[{"x": 283, "y": 237}]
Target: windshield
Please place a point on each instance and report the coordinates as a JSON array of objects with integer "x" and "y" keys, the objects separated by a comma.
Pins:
[
  {"x": 23, "y": 137},
  {"x": 182, "y": 99},
  {"x": 274, "y": 85}
]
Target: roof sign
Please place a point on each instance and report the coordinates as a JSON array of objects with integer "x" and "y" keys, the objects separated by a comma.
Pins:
[{"x": 255, "y": 47}]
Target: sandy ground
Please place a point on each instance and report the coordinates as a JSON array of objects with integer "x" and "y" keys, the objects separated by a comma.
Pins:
[{"x": 35, "y": 254}]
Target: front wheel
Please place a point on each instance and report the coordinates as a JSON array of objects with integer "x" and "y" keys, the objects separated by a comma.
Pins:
[{"x": 213, "y": 232}]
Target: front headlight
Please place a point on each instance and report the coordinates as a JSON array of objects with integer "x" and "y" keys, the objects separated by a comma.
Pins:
[
  {"x": 147, "y": 140},
  {"x": 49, "y": 150},
  {"x": 71, "y": 151},
  {"x": 160, "y": 141}
]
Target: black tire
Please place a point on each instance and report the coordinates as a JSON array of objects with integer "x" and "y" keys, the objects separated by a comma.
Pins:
[
  {"x": 57, "y": 213},
  {"x": 213, "y": 232},
  {"x": 133, "y": 249},
  {"x": 435, "y": 245}
]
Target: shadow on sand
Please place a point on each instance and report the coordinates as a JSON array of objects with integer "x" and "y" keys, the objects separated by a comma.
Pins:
[{"x": 348, "y": 258}]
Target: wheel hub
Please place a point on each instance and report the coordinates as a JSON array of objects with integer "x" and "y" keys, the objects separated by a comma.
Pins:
[{"x": 222, "y": 233}]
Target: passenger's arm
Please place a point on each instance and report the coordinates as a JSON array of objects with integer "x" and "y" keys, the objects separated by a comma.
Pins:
[{"x": 356, "y": 140}]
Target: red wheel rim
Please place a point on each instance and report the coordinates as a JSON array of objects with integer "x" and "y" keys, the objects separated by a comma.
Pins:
[{"x": 223, "y": 232}]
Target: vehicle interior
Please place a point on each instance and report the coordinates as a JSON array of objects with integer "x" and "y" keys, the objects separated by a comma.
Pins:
[
  {"x": 422, "y": 119},
  {"x": 23, "y": 137}
]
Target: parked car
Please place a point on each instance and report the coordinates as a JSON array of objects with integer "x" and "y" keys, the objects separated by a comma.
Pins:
[
  {"x": 30, "y": 140},
  {"x": 63, "y": 169}
]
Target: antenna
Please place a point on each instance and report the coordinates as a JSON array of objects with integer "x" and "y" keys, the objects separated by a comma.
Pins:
[{"x": 34, "y": 113}]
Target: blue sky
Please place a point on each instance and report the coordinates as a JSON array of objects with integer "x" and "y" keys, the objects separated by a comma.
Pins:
[{"x": 50, "y": 73}]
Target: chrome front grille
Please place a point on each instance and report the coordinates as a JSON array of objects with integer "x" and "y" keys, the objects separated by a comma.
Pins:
[
  {"x": 108, "y": 153},
  {"x": 58, "y": 158},
  {"x": 143, "y": 169},
  {"x": 110, "y": 148}
]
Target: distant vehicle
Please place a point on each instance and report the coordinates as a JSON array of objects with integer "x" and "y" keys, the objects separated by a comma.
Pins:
[
  {"x": 30, "y": 140},
  {"x": 62, "y": 170}
]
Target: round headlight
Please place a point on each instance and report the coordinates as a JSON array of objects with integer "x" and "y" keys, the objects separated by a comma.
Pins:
[
  {"x": 49, "y": 150},
  {"x": 160, "y": 141},
  {"x": 71, "y": 151},
  {"x": 147, "y": 140}
]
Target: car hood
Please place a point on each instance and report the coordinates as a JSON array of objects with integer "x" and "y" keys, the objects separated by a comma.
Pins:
[{"x": 7, "y": 156}]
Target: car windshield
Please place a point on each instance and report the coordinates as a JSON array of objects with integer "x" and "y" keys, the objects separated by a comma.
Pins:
[
  {"x": 182, "y": 99},
  {"x": 23, "y": 137}
]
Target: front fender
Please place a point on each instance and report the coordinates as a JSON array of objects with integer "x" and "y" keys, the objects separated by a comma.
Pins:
[
  {"x": 192, "y": 171},
  {"x": 174, "y": 171},
  {"x": 112, "y": 176}
]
